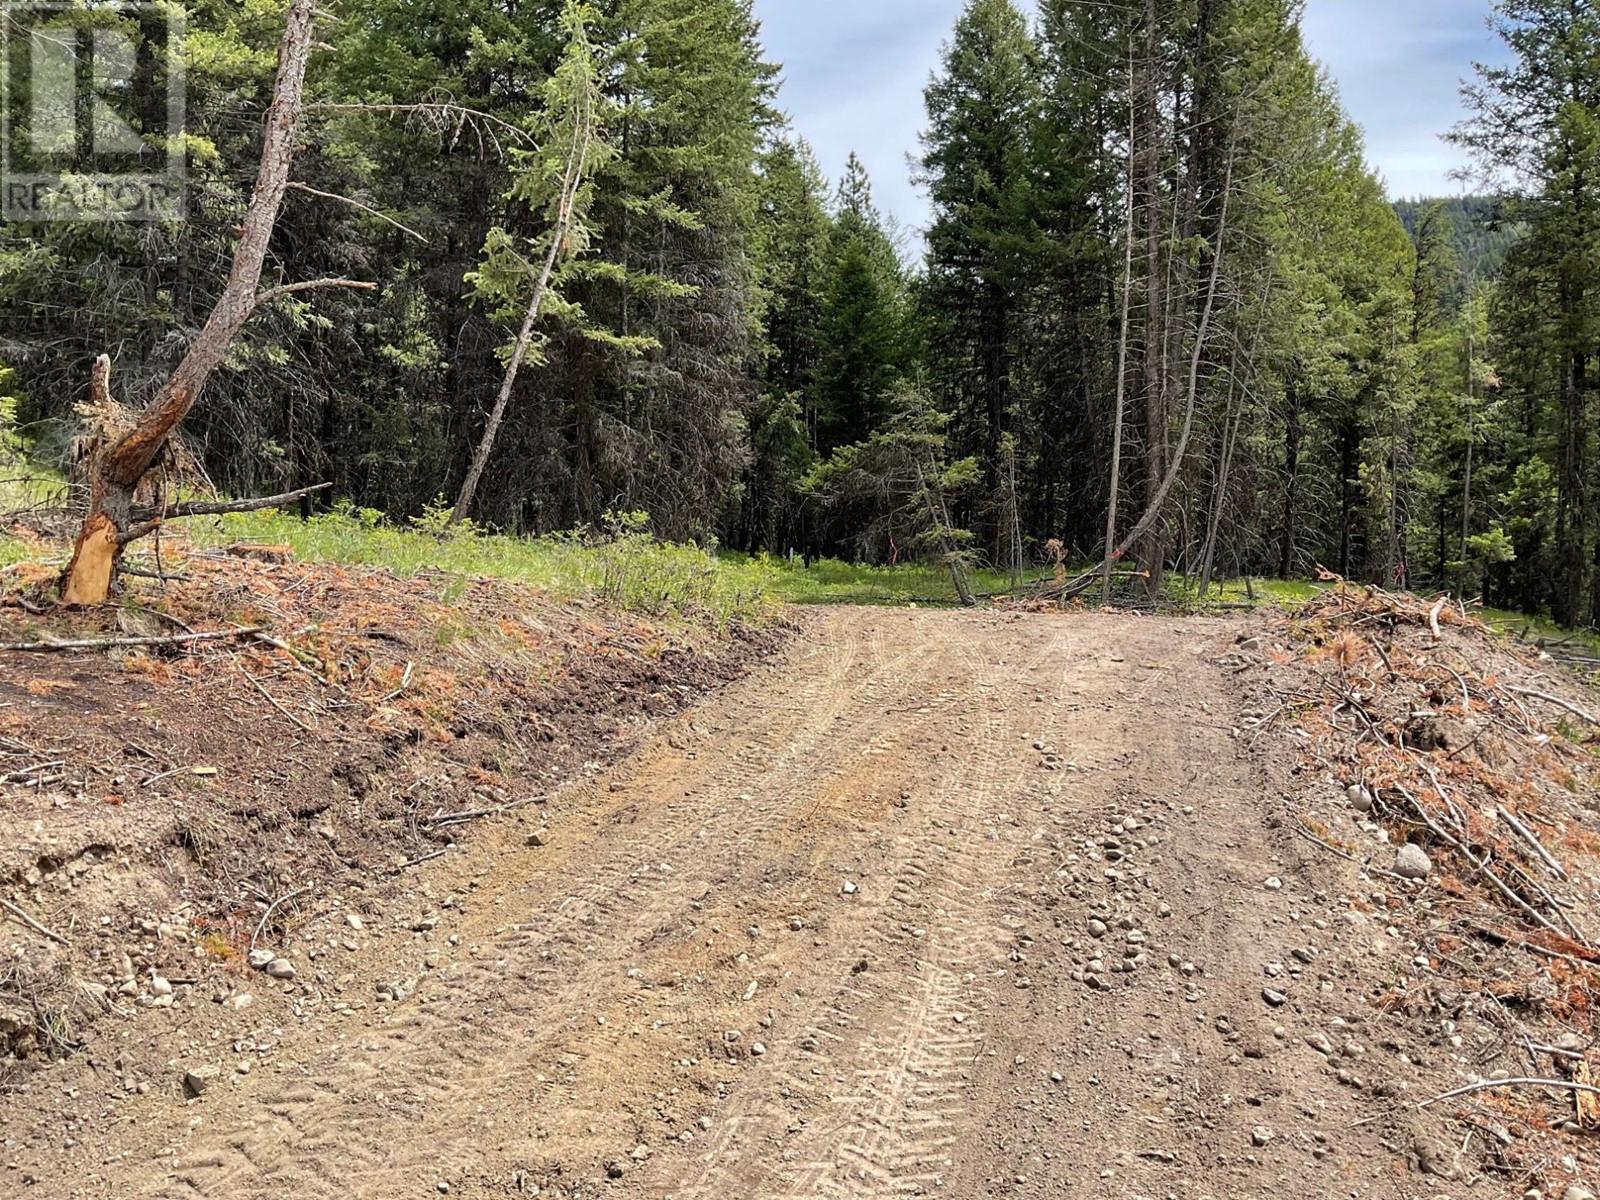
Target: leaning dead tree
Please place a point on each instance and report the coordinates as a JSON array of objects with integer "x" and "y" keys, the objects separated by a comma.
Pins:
[
  {"x": 121, "y": 460},
  {"x": 1120, "y": 413},
  {"x": 1155, "y": 508},
  {"x": 574, "y": 96}
]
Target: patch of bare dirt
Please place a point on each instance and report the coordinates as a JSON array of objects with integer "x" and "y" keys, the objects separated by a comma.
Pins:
[
  {"x": 929, "y": 903},
  {"x": 166, "y": 808}
]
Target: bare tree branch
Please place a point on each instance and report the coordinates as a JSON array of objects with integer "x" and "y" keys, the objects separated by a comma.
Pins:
[
  {"x": 354, "y": 203},
  {"x": 312, "y": 285}
]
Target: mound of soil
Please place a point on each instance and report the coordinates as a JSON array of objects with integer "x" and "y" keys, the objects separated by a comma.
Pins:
[
  {"x": 166, "y": 806},
  {"x": 1448, "y": 776}
]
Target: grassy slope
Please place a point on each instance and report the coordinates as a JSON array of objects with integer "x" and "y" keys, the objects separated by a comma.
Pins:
[{"x": 635, "y": 571}]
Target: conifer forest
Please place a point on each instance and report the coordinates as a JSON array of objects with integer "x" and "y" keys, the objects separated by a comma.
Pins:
[
  {"x": 542, "y": 264},
  {"x": 799, "y": 599}
]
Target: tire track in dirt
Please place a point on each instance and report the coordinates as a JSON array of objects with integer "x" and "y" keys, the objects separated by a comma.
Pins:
[
  {"x": 434, "y": 1061},
  {"x": 912, "y": 1031},
  {"x": 592, "y": 1032}
]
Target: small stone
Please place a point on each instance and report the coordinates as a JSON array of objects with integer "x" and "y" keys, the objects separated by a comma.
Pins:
[
  {"x": 1577, "y": 1191},
  {"x": 849, "y": 888},
  {"x": 1275, "y": 999},
  {"x": 242, "y": 1000},
  {"x": 1360, "y": 799},
  {"x": 281, "y": 968},
  {"x": 352, "y": 920},
  {"x": 259, "y": 959},
  {"x": 1412, "y": 862},
  {"x": 757, "y": 1049},
  {"x": 539, "y": 837},
  {"x": 196, "y": 1081},
  {"x": 1097, "y": 928},
  {"x": 160, "y": 986},
  {"x": 1273, "y": 883},
  {"x": 1260, "y": 1136}
]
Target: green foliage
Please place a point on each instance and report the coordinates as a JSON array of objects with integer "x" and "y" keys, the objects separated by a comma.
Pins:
[
  {"x": 437, "y": 520},
  {"x": 1480, "y": 236},
  {"x": 977, "y": 163},
  {"x": 1401, "y": 392},
  {"x": 1534, "y": 122},
  {"x": 862, "y": 355},
  {"x": 896, "y": 488},
  {"x": 623, "y": 563}
]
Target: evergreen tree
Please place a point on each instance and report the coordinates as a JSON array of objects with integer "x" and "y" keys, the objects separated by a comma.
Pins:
[
  {"x": 1535, "y": 123},
  {"x": 981, "y": 106},
  {"x": 793, "y": 234},
  {"x": 863, "y": 322}
]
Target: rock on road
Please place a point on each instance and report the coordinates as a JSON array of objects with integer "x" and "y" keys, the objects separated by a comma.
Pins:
[{"x": 933, "y": 903}]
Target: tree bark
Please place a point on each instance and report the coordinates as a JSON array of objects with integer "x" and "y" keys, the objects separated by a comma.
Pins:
[
  {"x": 1291, "y": 485},
  {"x": 1153, "y": 510},
  {"x": 1147, "y": 200},
  {"x": 116, "y": 470},
  {"x": 1115, "y": 490}
]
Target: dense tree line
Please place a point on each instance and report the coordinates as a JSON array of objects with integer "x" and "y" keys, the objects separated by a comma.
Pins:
[
  {"x": 1164, "y": 315},
  {"x": 1482, "y": 230}
]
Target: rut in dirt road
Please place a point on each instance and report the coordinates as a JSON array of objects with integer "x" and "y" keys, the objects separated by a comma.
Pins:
[{"x": 812, "y": 942}]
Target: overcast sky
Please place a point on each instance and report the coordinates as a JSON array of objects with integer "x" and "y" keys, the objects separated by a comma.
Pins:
[{"x": 853, "y": 73}]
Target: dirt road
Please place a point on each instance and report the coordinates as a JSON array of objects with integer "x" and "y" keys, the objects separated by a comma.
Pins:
[{"x": 832, "y": 935}]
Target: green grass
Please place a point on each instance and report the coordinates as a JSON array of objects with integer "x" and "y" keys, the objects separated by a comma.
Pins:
[
  {"x": 639, "y": 573},
  {"x": 1285, "y": 593},
  {"x": 21, "y": 489},
  {"x": 1535, "y": 629},
  {"x": 13, "y": 551},
  {"x": 632, "y": 570},
  {"x": 830, "y": 581}
]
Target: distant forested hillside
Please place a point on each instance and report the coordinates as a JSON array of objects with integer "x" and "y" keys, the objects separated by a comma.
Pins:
[{"x": 1482, "y": 236}]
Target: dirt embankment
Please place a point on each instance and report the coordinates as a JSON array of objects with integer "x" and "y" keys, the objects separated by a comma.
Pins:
[
  {"x": 168, "y": 808},
  {"x": 929, "y": 903}
]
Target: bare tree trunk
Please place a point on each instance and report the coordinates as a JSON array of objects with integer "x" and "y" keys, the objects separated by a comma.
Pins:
[
  {"x": 1219, "y": 496},
  {"x": 1232, "y": 423},
  {"x": 1122, "y": 353},
  {"x": 1147, "y": 197},
  {"x": 1472, "y": 438},
  {"x": 116, "y": 471},
  {"x": 1158, "y": 501},
  {"x": 1291, "y": 486},
  {"x": 571, "y": 183}
]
